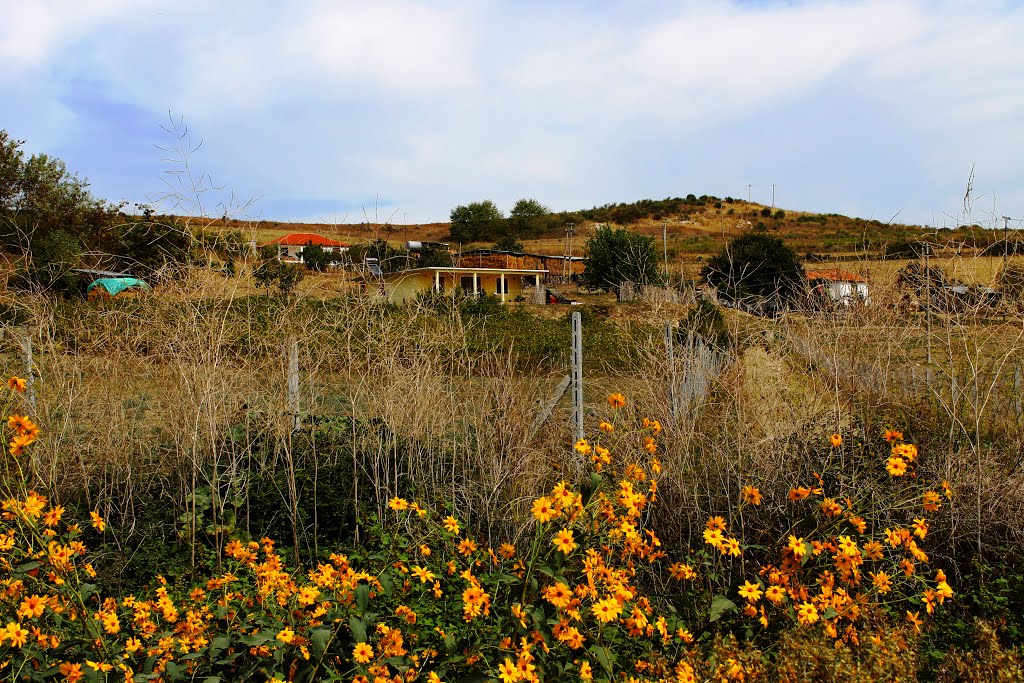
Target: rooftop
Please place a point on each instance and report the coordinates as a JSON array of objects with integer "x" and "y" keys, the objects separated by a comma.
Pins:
[{"x": 302, "y": 239}]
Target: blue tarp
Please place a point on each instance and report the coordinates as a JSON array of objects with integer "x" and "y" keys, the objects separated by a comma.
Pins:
[{"x": 116, "y": 285}]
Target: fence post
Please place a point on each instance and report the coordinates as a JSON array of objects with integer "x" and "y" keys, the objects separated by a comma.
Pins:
[
  {"x": 293, "y": 383},
  {"x": 577, "y": 373},
  {"x": 25, "y": 341},
  {"x": 670, "y": 360}
]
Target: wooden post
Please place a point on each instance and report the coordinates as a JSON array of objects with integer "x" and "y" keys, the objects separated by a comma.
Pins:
[
  {"x": 577, "y": 373},
  {"x": 670, "y": 361},
  {"x": 293, "y": 383},
  {"x": 25, "y": 340}
]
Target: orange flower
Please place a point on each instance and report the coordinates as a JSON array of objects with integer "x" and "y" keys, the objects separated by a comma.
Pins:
[
  {"x": 558, "y": 595},
  {"x": 616, "y": 400},
  {"x": 799, "y": 493},
  {"x": 362, "y": 653},
  {"x": 451, "y": 525},
  {"x": 932, "y": 501},
  {"x": 606, "y": 427},
  {"x": 17, "y": 384},
  {"x": 97, "y": 521},
  {"x": 751, "y": 495},
  {"x": 807, "y": 613},
  {"x": 751, "y": 592},
  {"x": 72, "y": 673},
  {"x": 836, "y": 440},
  {"x": 398, "y": 504},
  {"x": 16, "y": 634},
  {"x": 543, "y": 509},
  {"x": 914, "y": 618},
  {"x": 891, "y": 435},
  {"x": 467, "y": 547},
  {"x": 606, "y": 610},
  {"x": 564, "y": 541}
]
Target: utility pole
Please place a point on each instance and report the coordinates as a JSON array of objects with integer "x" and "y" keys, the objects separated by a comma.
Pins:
[
  {"x": 567, "y": 262},
  {"x": 928, "y": 309},
  {"x": 773, "y": 195},
  {"x": 748, "y": 193},
  {"x": 664, "y": 242},
  {"x": 1006, "y": 244}
]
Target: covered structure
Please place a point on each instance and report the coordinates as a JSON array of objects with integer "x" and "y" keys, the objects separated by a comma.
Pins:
[
  {"x": 290, "y": 246},
  {"x": 405, "y": 285},
  {"x": 840, "y": 287},
  {"x": 107, "y": 287}
]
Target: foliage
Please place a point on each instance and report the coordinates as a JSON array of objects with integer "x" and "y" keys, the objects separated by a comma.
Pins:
[
  {"x": 509, "y": 243},
  {"x": 315, "y": 257},
  {"x": 476, "y": 222},
  {"x": 48, "y": 213},
  {"x": 756, "y": 265},
  {"x": 706, "y": 322},
  {"x": 435, "y": 258},
  {"x": 1010, "y": 281},
  {"x": 617, "y": 255},
  {"x": 652, "y": 209},
  {"x": 589, "y": 591},
  {"x": 390, "y": 258},
  {"x": 527, "y": 219},
  {"x": 273, "y": 273}
]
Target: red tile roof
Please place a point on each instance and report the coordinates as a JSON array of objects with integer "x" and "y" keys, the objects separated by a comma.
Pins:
[
  {"x": 301, "y": 239},
  {"x": 834, "y": 275}
]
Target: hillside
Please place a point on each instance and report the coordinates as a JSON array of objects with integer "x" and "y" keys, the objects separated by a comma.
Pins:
[{"x": 693, "y": 227}]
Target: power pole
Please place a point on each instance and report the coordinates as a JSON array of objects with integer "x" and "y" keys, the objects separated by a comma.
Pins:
[
  {"x": 1006, "y": 244},
  {"x": 748, "y": 193},
  {"x": 664, "y": 242},
  {"x": 567, "y": 262},
  {"x": 773, "y": 195}
]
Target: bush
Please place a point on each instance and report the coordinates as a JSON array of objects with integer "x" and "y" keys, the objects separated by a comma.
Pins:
[{"x": 756, "y": 265}]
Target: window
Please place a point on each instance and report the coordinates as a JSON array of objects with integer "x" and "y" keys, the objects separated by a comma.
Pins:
[
  {"x": 467, "y": 284},
  {"x": 501, "y": 287},
  {"x": 283, "y": 251}
]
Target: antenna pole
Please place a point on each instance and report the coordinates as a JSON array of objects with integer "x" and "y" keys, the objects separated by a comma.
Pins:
[{"x": 664, "y": 242}]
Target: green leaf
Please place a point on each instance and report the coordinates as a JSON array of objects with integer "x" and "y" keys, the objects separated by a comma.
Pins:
[
  {"x": 720, "y": 606},
  {"x": 362, "y": 596},
  {"x": 386, "y": 584},
  {"x": 830, "y": 613},
  {"x": 319, "y": 638},
  {"x": 808, "y": 553},
  {"x": 87, "y": 590},
  {"x": 604, "y": 658},
  {"x": 358, "y": 628},
  {"x": 257, "y": 639}
]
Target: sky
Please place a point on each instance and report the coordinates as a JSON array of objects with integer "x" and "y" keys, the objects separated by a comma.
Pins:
[{"x": 341, "y": 111}]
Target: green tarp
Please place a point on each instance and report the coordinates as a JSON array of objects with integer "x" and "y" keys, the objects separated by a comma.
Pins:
[{"x": 116, "y": 285}]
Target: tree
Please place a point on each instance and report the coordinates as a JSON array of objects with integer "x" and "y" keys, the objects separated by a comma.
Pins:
[
  {"x": 617, "y": 255},
  {"x": 509, "y": 243},
  {"x": 756, "y": 265},
  {"x": 48, "y": 214},
  {"x": 273, "y": 272},
  {"x": 476, "y": 222},
  {"x": 389, "y": 258},
  {"x": 527, "y": 218},
  {"x": 315, "y": 257}
]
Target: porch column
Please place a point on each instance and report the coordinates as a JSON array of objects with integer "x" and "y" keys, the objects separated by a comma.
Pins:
[
  {"x": 474, "y": 283},
  {"x": 437, "y": 280},
  {"x": 503, "y": 289}
]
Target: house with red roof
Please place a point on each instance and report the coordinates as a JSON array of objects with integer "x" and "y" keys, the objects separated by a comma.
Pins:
[{"x": 290, "y": 246}]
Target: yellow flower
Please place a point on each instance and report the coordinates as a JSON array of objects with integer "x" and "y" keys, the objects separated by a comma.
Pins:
[
  {"x": 97, "y": 521},
  {"x": 17, "y": 384},
  {"x": 797, "y": 546},
  {"x": 751, "y": 495},
  {"x": 423, "y": 574},
  {"x": 751, "y": 592},
  {"x": 616, "y": 400},
  {"x": 543, "y": 510},
  {"x": 896, "y": 466},
  {"x": 558, "y": 595},
  {"x": 398, "y": 504},
  {"x": 17, "y": 445},
  {"x": 451, "y": 525},
  {"x": 16, "y": 634},
  {"x": 681, "y": 571},
  {"x": 931, "y": 501},
  {"x": 848, "y": 546},
  {"x": 286, "y": 635},
  {"x": 775, "y": 594},
  {"x": 716, "y": 523},
  {"x": 72, "y": 673},
  {"x": 564, "y": 541},
  {"x": 467, "y": 547},
  {"x": 914, "y": 619},
  {"x": 586, "y": 673},
  {"x": 882, "y": 582},
  {"x": 606, "y": 427},
  {"x": 807, "y": 613},
  {"x": 836, "y": 440},
  {"x": 583, "y": 447},
  {"x": 920, "y": 528},
  {"x": 362, "y": 653},
  {"x": 508, "y": 672},
  {"x": 606, "y": 610}
]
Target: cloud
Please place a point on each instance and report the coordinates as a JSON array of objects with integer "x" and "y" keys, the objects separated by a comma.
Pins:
[{"x": 871, "y": 107}]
